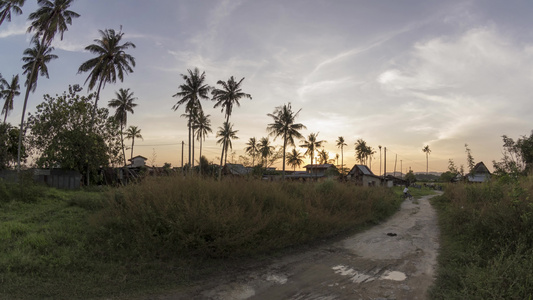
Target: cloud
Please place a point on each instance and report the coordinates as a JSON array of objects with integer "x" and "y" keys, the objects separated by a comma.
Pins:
[{"x": 13, "y": 30}]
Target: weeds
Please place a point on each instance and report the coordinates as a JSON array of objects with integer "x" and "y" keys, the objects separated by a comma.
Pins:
[{"x": 487, "y": 241}]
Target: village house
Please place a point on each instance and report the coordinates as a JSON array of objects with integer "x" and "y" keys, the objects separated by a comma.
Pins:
[
  {"x": 480, "y": 173},
  {"x": 321, "y": 170},
  {"x": 137, "y": 162},
  {"x": 362, "y": 175}
]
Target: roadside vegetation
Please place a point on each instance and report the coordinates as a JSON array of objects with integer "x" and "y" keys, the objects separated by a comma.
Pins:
[
  {"x": 165, "y": 232},
  {"x": 486, "y": 240}
]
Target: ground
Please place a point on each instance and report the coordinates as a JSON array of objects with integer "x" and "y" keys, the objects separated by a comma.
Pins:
[{"x": 393, "y": 260}]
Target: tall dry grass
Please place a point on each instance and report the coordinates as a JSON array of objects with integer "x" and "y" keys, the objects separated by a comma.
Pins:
[
  {"x": 182, "y": 216},
  {"x": 487, "y": 241}
]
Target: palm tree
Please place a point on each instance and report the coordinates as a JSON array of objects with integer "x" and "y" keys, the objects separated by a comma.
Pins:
[
  {"x": 132, "y": 133},
  {"x": 191, "y": 92},
  {"x": 340, "y": 144},
  {"x": 284, "y": 125},
  {"x": 8, "y": 6},
  {"x": 226, "y": 134},
  {"x": 202, "y": 125},
  {"x": 252, "y": 149},
  {"x": 265, "y": 150},
  {"x": 123, "y": 103},
  {"x": 49, "y": 19},
  {"x": 427, "y": 151},
  {"x": 323, "y": 156},
  {"x": 111, "y": 61},
  {"x": 227, "y": 96},
  {"x": 311, "y": 144},
  {"x": 35, "y": 63},
  {"x": 9, "y": 91},
  {"x": 295, "y": 158},
  {"x": 362, "y": 151}
]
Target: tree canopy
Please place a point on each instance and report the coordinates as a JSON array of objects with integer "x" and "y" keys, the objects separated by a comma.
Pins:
[{"x": 61, "y": 135}]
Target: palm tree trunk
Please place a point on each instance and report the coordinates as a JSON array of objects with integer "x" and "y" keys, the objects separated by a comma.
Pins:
[
  {"x": 284, "y": 148},
  {"x": 342, "y": 161},
  {"x": 122, "y": 142},
  {"x": 132, "y": 143},
  {"x": 200, "y": 161},
  {"x": 221, "y": 158},
  {"x": 189, "y": 124},
  {"x": 28, "y": 88},
  {"x": 96, "y": 102}
]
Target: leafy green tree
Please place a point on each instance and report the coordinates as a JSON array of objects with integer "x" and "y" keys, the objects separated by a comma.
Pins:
[
  {"x": 517, "y": 156},
  {"x": 133, "y": 133},
  {"x": 190, "y": 93},
  {"x": 227, "y": 96},
  {"x": 427, "y": 151},
  {"x": 61, "y": 134},
  {"x": 295, "y": 159},
  {"x": 252, "y": 149},
  {"x": 111, "y": 61},
  {"x": 340, "y": 144},
  {"x": 10, "y": 6},
  {"x": 469, "y": 159},
  {"x": 410, "y": 177},
  {"x": 123, "y": 104},
  {"x": 226, "y": 134},
  {"x": 285, "y": 126},
  {"x": 202, "y": 126},
  {"x": 311, "y": 144},
  {"x": 8, "y": 91},
  {"x": 8, "y": 146}
]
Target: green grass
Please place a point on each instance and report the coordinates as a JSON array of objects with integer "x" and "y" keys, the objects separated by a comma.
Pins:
[
  {"x": 164, "y": 232},
  {"x": 486, "y": 241}
]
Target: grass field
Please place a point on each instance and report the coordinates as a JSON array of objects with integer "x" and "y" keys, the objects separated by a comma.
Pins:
[
  {"x": 164, "y": 232},
  {"x": 486, "y": 241}
]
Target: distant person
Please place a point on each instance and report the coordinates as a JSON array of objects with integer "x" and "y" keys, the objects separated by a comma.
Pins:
[{"x": 406, "y": 192}]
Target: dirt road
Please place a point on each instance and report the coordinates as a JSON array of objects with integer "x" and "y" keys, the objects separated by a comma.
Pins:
[{"x": 394, "y": 260}]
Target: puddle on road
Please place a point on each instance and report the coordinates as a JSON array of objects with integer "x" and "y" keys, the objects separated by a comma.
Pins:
[
  {"x": 357, "y": 277},
  {"x": 394, "y": 275}
]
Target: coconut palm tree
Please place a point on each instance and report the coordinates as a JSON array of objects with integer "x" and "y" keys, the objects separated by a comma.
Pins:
[
  {"x": 340, "y": 144},
  {"x": 49, "y": 19},
  {"x": 9, "y": 91},
  {"x": 36, "y": 60},
  {"x": 202, "y": 126},
  {"x": 427, "y": 151},
  {"x": 133, "y": 133},
  {"x": 265, "y": 150},
  {"x": 227, "y": 96},
  {"x": 295, "y": 158},
  {"x": 9, "y": 6},
  {"x": 323, "y": 156},
  {"x": 190, "y": 93},
  {"x": 123, "y": 103},
  {"x": 311, "y": 144},
  {"x": 111, "y": 62},
  {"x": 284, "y": 125},
  {"x": 226, "y": 134},
  {"x": 252, "y": 149},
  {"x": 361, "y": 151}
]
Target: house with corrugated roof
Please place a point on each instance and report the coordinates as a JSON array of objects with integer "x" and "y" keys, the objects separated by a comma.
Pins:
[
  {"x": 480, "y": 173},
  {"x": 362, "y": 175},
  {"x": 320, "y": 170}
]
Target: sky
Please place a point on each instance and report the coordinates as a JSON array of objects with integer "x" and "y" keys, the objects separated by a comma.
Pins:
[{"x": 397, "y": 74}]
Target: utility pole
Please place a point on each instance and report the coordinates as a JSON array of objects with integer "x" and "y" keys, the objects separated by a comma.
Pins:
[
  {"x": 401, "y": 168},
  {"x": 379, "y": 160},
  {"x": 395, "y": 161},
  {"x": 385, "y": 163}
]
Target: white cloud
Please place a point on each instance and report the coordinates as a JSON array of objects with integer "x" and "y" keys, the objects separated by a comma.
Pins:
[{"x": 13, "y": 29}]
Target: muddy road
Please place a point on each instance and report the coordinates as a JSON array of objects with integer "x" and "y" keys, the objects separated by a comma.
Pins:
[{"x": 393, "y": 260}]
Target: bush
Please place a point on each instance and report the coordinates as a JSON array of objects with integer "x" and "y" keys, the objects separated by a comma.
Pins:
[
  {"x": 487, "y": 237},
  {"x": 183, "y": 216}
]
